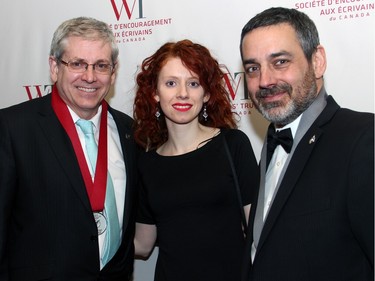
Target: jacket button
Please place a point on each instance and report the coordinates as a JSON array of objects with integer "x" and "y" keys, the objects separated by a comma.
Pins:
[{"x": 94, "y": 238}]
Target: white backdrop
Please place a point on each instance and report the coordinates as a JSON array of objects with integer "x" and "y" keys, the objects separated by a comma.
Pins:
[{"x": 346, "y": 30}]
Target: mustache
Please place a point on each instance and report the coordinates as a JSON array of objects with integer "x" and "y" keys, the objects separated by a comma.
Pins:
[{"x": 266, "y": 92}]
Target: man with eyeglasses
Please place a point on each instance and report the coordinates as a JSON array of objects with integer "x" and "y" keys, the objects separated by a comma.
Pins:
[{"x": 67, "y": 169}]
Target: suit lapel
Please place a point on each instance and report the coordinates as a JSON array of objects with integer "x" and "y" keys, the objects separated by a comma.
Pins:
[
  {"x": 63, "y": 150},
  {"x": 296, "y": 165},
  {"x": 295, "y": 169}
]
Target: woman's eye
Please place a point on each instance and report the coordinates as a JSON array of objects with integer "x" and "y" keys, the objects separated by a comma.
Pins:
[
  {"x": 194, "y": 84},
  {"x": 170, "y": 83}
]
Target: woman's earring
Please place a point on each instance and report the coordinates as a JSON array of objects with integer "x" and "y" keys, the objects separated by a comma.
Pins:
[
  {"x": 157, "y": 113},
  {"x": 205, "y": 115}
]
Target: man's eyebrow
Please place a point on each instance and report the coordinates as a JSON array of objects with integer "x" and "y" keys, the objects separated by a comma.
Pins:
[
  {"x": 279, "y": 54},
  {"x": 249, "y": 61},
  {"x": 271, "y": 56}
]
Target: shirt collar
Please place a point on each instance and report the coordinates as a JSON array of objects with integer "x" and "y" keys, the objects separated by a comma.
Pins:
[
  {"x": 293, "y": 126},
  {"x": 95, "y": 120}
]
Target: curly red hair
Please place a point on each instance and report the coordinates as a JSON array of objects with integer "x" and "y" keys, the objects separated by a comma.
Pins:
[{"x": 151, "y": 132}]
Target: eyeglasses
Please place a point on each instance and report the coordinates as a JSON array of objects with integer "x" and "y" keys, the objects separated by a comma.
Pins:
[{"x": 79, "y": 66}]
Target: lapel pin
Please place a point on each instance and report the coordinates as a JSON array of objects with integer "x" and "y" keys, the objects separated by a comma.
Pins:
[{"x": 312, "y": 140}]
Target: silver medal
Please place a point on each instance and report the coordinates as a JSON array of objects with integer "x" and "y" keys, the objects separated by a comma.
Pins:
[{"x": 101, "y": 222}]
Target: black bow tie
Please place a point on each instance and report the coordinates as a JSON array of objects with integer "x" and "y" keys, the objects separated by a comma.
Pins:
[{"x": 283, "y": 137}]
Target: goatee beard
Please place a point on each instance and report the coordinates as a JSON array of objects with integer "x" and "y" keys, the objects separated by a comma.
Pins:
[{"x": 281, "y": 112}]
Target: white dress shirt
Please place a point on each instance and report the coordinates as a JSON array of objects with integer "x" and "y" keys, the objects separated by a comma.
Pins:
[
  {"x": 116, "y": 165},
  {"x": 275, "y": 167}
]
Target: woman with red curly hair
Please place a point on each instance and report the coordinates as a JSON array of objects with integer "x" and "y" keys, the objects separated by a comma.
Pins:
[{"x": 188, "y": 200}]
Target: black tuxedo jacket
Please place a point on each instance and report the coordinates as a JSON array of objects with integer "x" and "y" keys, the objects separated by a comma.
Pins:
[
  {"x": 320, "y": 226},
  {"x": 47, "y": 230}
]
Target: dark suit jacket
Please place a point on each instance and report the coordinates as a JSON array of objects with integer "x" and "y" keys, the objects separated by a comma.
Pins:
[
  {"x": 321, "y": 224},
  {"x": 47, "y": 230}
]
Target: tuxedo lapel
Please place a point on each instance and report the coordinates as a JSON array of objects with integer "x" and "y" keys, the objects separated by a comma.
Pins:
[
  {"x": 295, "y": 169},
  {"x": 259, "y": 211},
  {"x": 63, "y": 150},
  {"x": 297, "y": 162}
]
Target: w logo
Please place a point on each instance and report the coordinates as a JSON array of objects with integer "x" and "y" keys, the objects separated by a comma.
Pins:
[
  {"x": 37, "y": 91},
  {"x": 232, "y": 82},
  {"x": 129, "y": 9}
]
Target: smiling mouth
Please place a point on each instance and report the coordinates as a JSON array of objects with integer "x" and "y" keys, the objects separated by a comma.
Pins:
[
  {"x": 274, "y": 96},
  {"x": 87, "y": 90},
  {"x": 274, "y": 93},
  {"x": 182, "y": 107}
]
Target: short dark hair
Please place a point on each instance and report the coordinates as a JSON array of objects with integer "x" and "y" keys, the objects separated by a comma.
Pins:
[{"x": 305, "y": 28}]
